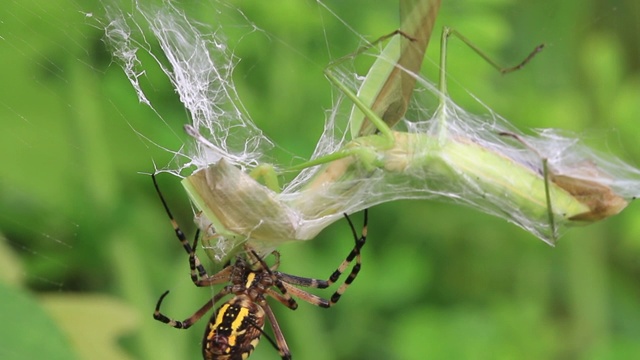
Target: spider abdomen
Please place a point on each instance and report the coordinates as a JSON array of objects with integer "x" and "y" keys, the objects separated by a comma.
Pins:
[{"x": 234, "y": 330}]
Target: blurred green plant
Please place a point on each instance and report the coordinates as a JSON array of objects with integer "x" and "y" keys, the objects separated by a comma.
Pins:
[{"x": 439, "y": 280}]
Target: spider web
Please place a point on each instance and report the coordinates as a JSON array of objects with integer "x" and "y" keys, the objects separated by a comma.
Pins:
[{"x": 199, "y": 63}]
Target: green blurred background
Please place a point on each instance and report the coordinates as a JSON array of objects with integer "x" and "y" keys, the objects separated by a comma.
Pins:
[{"x": 87, "y": 248}]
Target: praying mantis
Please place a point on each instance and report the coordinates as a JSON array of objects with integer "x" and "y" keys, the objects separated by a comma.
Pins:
[{"x": 494, "y": 169}]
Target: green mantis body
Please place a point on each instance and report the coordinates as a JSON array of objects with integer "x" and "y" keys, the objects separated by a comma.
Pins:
[{"x": 379, "y": 164}]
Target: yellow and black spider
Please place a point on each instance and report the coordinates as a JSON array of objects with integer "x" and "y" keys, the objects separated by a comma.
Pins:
[{"x": 235, "y": 328}]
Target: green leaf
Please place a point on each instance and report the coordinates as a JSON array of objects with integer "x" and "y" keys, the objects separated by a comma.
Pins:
[
  {"x": 27, "y": 331},
  {"x": 93, "y": 322}
]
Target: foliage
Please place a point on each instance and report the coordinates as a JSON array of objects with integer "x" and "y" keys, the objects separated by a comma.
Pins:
[{"x": 437, "y": 281}]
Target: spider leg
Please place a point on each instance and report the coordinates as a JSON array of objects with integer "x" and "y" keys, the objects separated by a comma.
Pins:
[
  {"x": 186, "y": 323},
  {"x": 183, "y": 239},
  {"x": 281, "y": 343},
  {"x": 276, "y": 264},
  {"x": 285, "y": 299},
  {"x": 290, "y": 280},
  {"x": 307, "y": 296}
]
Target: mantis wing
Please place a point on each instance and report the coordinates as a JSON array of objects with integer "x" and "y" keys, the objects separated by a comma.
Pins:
[{"x": 389, "y": 83}]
